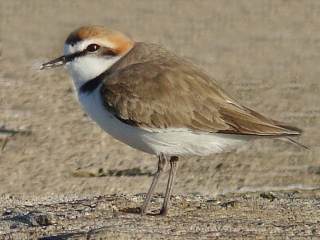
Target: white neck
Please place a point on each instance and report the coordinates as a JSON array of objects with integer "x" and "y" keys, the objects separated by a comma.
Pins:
[{"x": 85, "y": 68}]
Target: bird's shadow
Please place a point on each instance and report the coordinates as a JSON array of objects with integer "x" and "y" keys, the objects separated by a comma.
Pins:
[
  {"x": 137, "y": 210},
  {"x": 129, "y": 172}
]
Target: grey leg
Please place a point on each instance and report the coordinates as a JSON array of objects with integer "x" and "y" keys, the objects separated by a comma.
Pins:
[
  {"x": 161, "y": 164},
  {"x": 172, "y": 174}
]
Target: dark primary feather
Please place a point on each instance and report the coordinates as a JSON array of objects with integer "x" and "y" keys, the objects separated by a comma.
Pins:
[{"x": 154, "y": 89}]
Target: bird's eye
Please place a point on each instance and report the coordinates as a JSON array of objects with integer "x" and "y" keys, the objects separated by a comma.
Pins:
[{"x": 93, "y": 47}]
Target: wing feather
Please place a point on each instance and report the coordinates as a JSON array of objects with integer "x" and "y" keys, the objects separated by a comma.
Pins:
[{"x": 169, "y": 92}]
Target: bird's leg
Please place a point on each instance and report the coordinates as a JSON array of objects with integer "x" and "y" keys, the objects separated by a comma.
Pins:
[
  {"x": 161, "y": 165},
  {"x": 172, "y": 174}
]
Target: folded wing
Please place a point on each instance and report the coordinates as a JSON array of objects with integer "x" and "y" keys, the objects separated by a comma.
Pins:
[{"x": 169, "y": 92}]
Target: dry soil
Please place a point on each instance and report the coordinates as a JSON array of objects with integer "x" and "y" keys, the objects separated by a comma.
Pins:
[{"x": 264, "y": 53}]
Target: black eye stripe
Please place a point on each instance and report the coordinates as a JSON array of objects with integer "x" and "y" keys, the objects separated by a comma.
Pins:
[
  {"x": 71, "y": 57},
  {"x": 106, "y": 51}
]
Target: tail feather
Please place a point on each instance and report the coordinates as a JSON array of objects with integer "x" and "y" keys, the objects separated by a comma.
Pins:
[
  {"x": 291, "y": 130},
  {"x": 297, "y": 143}
]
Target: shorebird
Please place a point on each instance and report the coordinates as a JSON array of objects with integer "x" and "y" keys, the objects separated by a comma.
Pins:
[{"x": 157, "y": 102}]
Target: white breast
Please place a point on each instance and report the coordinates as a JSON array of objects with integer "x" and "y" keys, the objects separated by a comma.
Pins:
[
  {"x": 174, "y": 141},
  {"x": 93, "y": 106}
]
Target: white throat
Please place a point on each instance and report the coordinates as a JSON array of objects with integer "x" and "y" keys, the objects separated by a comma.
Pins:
[{"x": 85, "y": 68}]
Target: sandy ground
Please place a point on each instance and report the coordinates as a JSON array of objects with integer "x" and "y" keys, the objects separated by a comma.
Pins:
[
  {"x": 281, "y": 215},
  {"x": 264, "y": 53}
]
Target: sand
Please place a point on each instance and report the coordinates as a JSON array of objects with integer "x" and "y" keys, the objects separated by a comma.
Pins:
[{"x": 264, "y": 53}]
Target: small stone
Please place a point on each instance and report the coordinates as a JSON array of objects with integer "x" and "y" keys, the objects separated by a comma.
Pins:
[
  {"x": 6, "y": 212},
  {"x": 115, "y": 209},
  {"x": 268, "y": 195},
  {"x": 13, "y": 226},
  {"x": 41, "y": 219},
  {"x": 228, "y": 204}
]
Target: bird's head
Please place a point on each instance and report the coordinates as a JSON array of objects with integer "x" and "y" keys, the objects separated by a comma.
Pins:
[{"x": 90, "y": 51}]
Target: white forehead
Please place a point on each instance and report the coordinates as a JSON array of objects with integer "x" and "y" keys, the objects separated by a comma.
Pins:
[{"x": 81, "y": 45}]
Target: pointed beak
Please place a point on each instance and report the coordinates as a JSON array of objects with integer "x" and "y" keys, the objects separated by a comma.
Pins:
[{"x": 60, "y": 61}]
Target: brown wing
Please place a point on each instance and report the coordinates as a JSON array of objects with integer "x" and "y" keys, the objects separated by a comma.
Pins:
[{"x": 171, "y": 93}]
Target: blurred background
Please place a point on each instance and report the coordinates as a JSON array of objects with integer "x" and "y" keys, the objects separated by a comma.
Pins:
[{"x": 263, "y": 53}]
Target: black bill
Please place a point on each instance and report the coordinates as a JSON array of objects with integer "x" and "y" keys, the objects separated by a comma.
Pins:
[{"x": 60, "y": 61}]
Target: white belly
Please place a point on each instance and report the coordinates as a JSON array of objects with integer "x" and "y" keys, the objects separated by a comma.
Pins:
[{"x": 177, "y": 141}]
